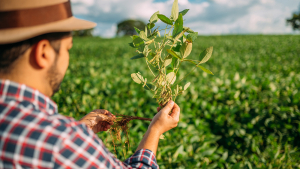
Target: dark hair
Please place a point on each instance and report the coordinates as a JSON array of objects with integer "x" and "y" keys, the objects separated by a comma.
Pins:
[{"x": 9, "y": 53}]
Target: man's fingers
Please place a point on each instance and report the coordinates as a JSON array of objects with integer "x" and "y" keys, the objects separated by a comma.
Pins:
[
  {"x": 108, "y": 126},
  {"x": 175, "y": 112},
  {"x": 108, "y": 113},
  {"x": 109, "y": 122},
  {"x": 111, "y": 115},
  {"x": 168, "y": 107}
]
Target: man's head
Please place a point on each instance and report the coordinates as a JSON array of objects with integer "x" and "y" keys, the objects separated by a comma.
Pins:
[
  {"x": 34, "y": 41},
  {"x": 43, "y": 60}
]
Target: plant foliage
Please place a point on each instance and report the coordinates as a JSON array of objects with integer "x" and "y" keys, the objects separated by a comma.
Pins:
[{"x": 160, "y": 53}]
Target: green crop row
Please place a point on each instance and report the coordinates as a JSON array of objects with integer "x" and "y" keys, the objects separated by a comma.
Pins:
[{"x": 245, "y": 116}]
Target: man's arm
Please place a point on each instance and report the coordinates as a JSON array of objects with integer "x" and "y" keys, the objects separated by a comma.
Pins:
[{"x": 161, "y": 123}]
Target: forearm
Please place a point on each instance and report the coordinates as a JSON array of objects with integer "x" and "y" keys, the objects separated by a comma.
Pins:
[{"x": 150, "y": 140}]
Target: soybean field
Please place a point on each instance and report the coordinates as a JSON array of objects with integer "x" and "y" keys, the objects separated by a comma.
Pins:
[{"x": 246, "y": 115}]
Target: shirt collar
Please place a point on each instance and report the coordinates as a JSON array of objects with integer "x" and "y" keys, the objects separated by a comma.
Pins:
[{"x": 21, "y": 92}]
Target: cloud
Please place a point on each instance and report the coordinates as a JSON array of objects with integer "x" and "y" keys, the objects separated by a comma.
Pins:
[{"x": 205, "y": 16}]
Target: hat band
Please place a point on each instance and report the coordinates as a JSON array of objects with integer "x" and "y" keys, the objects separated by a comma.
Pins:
[{"x": 35, "y": 16}]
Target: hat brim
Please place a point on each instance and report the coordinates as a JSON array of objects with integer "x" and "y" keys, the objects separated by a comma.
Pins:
[{"x": 19, "y": 34}]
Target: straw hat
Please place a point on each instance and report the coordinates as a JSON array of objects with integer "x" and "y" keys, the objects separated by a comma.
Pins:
[{"x": 25, "y": 19}]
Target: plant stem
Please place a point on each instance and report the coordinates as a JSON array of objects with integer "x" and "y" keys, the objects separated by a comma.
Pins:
[
  {"x": 170, "y": 30},
  {"x": 177, "y": 71},
  {"x": 150, "y": 68},
  {"x": 165, "y": 32},
  {"x": 135, "y": 117}
]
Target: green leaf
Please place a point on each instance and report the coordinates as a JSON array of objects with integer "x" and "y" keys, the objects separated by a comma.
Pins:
[
  {"x": 171, "y": 77},
  {"x": 205, "y": 70},
  {"x": 224, "y": 156},
  {"x": 150, "y": 25},
  {"x": 175, "y": 62},
  {"x": 186, "y": 49},
  {"x": 209, "y": 151},
  {"x": 154, "y": 17},
  {"x": 206, "y": 54},
  {"x": 152, "y": 54},
  {"x": 137, "y": 30},
  {"x": 149, "y": 86},
  {"x": 174, "y": 12},
  {"x": 236, "y": 166},
  {"x": 249, "y": 165},
  {"x": 177, "y": 47},
  {"x": 138, "y": 43},
  {"x": 169, "y": 69},
  {"x": 192, "y": 36},
  {"x": 131, "y": 44},
  {"x": 143, "y": 35},
  {"x": 137, "y": 77},
  {"x": 173, "y": 54},
  {"x": 186, "y": 85},
  {"x": 168, "y": 60},
  {"x": 138, "y": 56},
  {"x": 184, "y": 12},
  {"x": 180, "y": 150},
  {"x": 178, "y": 26},
  {"x": 164, "y": 19},
  {"x": 277, "y": 153},
  {"x": 242, "y": 132},
  {"x": 177, "y": 53}
]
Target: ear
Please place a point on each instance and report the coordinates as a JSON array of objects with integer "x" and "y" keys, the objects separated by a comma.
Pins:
[{"x": 44, "y": 54}]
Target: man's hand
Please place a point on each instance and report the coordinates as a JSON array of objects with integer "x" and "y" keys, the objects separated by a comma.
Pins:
[
  {"x": 99, "y": 120},
  {"x": 162, "y": 121}
]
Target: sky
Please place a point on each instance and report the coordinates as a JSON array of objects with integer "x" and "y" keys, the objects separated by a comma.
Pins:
[{"x": 208, "y": 17}]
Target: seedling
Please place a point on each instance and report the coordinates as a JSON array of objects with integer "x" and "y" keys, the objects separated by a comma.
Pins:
[{"x": 164, "y": 56}]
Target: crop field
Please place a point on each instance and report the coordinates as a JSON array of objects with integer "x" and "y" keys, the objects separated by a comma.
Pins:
[{"x": 246, "y": 115}]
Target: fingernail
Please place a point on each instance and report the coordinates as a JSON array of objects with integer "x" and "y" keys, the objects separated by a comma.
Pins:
[{"x": 171, "y": 102}]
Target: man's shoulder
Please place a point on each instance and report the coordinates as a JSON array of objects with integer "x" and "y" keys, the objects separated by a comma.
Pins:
[
  {"x": 35, "y": 135},
  {"x": 23, "y": 114}
]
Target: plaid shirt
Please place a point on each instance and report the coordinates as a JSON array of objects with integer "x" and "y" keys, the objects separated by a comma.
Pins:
[{"x": 34, "y": 135}]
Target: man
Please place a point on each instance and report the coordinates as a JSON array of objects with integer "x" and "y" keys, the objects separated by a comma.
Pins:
[{"x": 34, "y": 42}]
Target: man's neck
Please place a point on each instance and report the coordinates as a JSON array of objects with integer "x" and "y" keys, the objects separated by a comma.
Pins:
[{"x": 30, "y": 81}]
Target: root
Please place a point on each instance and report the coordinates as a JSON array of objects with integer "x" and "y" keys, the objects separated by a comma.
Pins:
[
  {"x": 134, "y": 117},
  {"x": 121, "y": 125}
]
